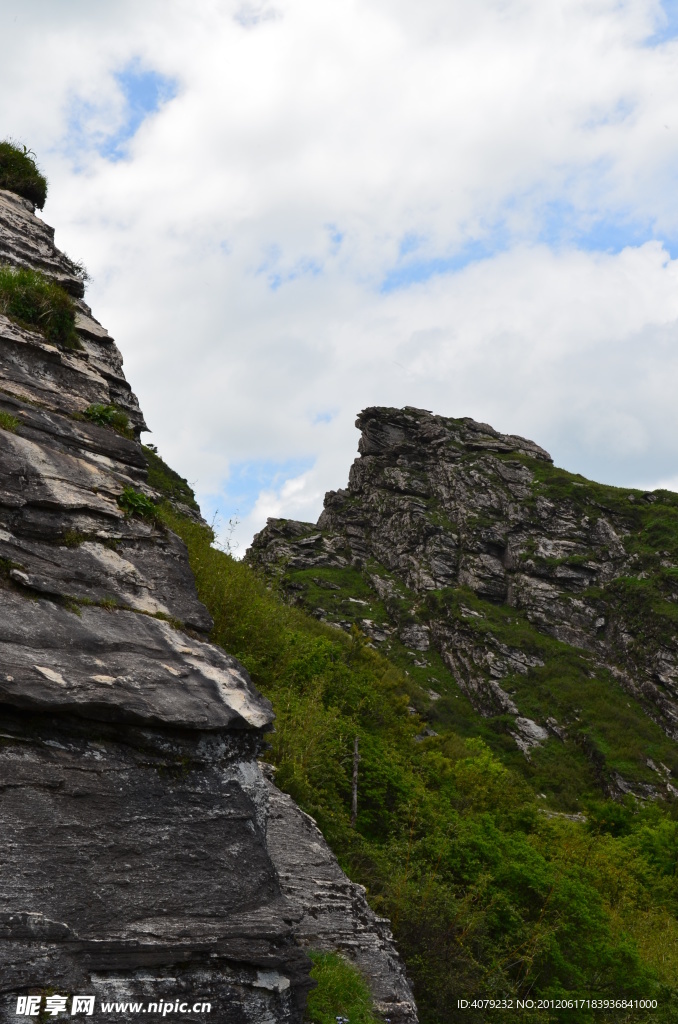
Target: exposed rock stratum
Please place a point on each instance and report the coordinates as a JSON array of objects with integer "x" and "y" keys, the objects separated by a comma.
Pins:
[{"x": 143, "y": 854}]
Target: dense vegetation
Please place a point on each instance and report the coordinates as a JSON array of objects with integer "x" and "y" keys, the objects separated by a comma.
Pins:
[
  {"x": 19, "y": 173},
  {"x": 490, "y": 891},
  {"x": 39, "y": 304},
  {"x": 606, "y": 733}
]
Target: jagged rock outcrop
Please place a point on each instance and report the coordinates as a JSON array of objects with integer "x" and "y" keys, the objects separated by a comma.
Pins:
[
  {"x": 135, "y": 861},
  {"x": 436, "y": 508}
]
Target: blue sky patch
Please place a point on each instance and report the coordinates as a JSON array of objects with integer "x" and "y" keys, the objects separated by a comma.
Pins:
[
  {"x": 667, "y": 26},
  {"x": 415, "y": 271},
  {"x": 564, "y": 225},
  {"x": 144, "y": 93},
  {"x": 247, "y": 480},
  {"x": 277, "y": 276},
  {"x": 336, "y": 238},
  {"x": 325, "y": 417},
  {"x": 559, "y": 224}
]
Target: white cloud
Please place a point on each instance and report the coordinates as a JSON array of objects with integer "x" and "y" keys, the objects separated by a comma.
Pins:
[{"x": 238, "y": 252}]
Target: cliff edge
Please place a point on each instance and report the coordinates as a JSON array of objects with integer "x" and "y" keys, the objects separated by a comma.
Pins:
[{"x": 143, "y": 853}]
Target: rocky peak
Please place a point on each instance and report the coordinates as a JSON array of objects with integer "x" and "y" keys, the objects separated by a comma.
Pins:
[{"x": 467, "y": 554}]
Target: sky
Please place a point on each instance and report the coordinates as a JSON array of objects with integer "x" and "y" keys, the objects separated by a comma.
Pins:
[{"x": 292, "y": 210}]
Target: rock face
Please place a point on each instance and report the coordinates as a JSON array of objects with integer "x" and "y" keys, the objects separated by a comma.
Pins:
[
  {"x": 439, "y": 508},
  {"x": 135, "y": 862}
]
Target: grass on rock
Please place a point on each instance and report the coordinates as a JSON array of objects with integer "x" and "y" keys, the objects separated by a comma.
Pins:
[
  {"x": 109, "y": 416},
  {"x": 342, "y": 993},
  {"x": 36, "y": 303},
  {"x": 8, "y": 422},
  {"x": 19, "y": 173},
  {"x": 167, "y": 481}
]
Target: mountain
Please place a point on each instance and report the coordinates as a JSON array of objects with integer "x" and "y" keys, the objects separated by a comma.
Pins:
[
  {"x": 145, "y": 854},
  {"x": 445, "y": 710},
  {"x": 528, "y": 605}
]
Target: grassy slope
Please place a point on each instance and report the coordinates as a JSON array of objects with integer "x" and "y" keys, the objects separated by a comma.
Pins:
[{"x": 487, "y": 894}]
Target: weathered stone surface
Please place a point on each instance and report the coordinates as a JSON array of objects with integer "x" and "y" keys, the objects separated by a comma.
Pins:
[
  {"x": 134, "y": 858},
  {"x": 134, "y": 864},
  {"x": 120, "y": 666}
]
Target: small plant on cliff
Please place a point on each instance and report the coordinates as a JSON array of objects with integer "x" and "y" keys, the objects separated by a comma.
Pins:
[
  {"x": 8, "y": 422},
  {"x": 36, "y": 303},
  {"x": 19, "y": 173},
  {"x": 134, "y": 503},
  {"x": 342, "y": 993},
  {"x": 109, "y": 416}
]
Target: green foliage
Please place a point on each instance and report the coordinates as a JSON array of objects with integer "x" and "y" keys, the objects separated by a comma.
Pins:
[
  {"x": 165, "y": 480},
  {"x": 37, "y": 303},
  {"x": 109, "y": 416},
  {"x": 487, "y": 893},
  {"x": 19, "y": 173},
  {"x": 606, "y": 731},
  {"x": 8, "y": 422},
  {"x": 341, "y": 992},
  {"x": 134, "y": 503}
]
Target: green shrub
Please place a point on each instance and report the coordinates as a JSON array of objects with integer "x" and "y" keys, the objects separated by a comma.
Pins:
[
  {"x": 19, "y": 173},
  {"x": 35, "y": 302},
  {"x": 109, "y": 416},
  {"x": 8, "y": 422},
  {"x": 134, "y": 503},
  {"x": 341, "y": 993}
]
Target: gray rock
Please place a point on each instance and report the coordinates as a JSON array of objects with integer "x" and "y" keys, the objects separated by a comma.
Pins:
[
  {"x": 434, "y": 503},
  {"x": 135, "y": 859}
]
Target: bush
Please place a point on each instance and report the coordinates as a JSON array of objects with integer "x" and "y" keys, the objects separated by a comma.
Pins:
[
  {"x": 342, "y": 993},
  {"x": 35, "y": 302},
  {"x": 8, "y": 422},
  {"x": 19, "y": 173},
  {"x": 109, "y": 416},
  {"x": 134, "y": 503}
]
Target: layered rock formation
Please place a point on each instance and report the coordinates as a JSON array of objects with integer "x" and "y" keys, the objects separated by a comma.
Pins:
[
  {"x": 445, "y": 527},
  {"x": 135, "y": 862}
]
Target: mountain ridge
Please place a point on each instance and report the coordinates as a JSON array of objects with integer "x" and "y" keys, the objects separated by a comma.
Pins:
[{"x": 469, "y": 544}]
